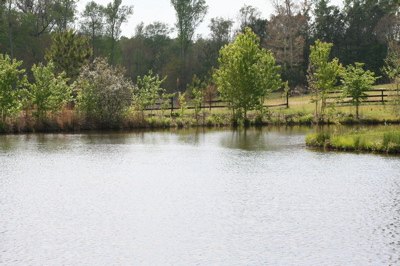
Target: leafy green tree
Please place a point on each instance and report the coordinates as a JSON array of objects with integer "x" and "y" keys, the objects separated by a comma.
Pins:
[
  {"x": 149, "y": 90},
  {"x": 115, "y": 14},
  {"x": 246, "y": 74},
  {"x": 198, "y": 98},
  {"x": 189, "y": 13},
  {"x": 49, "y": 92},
  {"x": 182, "y": 101},
  {"x": 69, "y": 52},
  {"x": 323, "y": 74},
  {"x": 13, "y": 82},
  {"x": 356, "y": 82},
  {"x": 104, "y": 94},
  {"x": 196, "y": 89}
]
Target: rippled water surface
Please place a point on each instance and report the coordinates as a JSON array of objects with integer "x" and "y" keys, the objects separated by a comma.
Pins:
[{"x": 194, "y": 198}]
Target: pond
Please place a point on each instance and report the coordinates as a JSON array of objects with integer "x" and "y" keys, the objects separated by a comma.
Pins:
[{"x": 194, "y": 197}]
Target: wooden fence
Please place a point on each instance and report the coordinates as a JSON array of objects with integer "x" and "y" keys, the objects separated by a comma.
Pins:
[
  {"x": 374, "y": 97},
  {"x": 209, "y": 104}
]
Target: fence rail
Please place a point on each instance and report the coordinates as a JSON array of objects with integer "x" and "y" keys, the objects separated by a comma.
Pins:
[
  {"x": 213, "y": 104},
  {"x": 379, "y": 96},
  {"x": 375, "y": 96}
]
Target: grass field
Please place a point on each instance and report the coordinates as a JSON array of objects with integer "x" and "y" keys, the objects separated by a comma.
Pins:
[{"x": 377, "y": 111}]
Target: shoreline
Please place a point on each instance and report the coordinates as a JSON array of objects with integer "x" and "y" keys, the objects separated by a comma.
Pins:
[
  {"x": 150, "y": 126},
  {"x": 374, "y": 141}
]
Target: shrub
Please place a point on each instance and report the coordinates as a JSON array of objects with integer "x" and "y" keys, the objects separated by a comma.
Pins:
[
  {"x": 12, "y": 84},
  {"x": 49, "y": 92},
  {"x": 149, "y": 91},
  {"x": 104, "y": 94}
]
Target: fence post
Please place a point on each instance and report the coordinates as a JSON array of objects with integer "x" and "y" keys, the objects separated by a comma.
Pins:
[
  {"x": 383, "y": 102},
  {"x": 287, "y": 99}
]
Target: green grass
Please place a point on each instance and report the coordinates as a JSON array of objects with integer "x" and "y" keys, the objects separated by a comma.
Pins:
[
  {"x": 379, "y": 140},
  {"x": 374, "y": 114},
  {"x": 301, "y": 112}
]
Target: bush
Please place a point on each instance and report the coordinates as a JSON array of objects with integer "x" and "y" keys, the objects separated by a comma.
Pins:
[
  {"x": 104, "y": 94},
  {"x": 13, "y": 82},
  {"x": 49, "y": 92}
]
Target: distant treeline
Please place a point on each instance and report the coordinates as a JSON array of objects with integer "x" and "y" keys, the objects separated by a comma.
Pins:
[{"x": 360, "y": 31}]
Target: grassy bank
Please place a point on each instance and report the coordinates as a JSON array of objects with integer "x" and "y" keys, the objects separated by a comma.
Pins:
[
  {"x": 70, "y": 121},
  {"x": 380, "y": 141},
  {"x": 300, "y": 112}
]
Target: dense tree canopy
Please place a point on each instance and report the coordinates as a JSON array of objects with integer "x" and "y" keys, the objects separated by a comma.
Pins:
[{"x": 360, "y": 31}]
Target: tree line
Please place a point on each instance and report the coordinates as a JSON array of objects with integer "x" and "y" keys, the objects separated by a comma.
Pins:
[
  {"x": 48, "y": 64},
  {"x": 361, "y": 31}
]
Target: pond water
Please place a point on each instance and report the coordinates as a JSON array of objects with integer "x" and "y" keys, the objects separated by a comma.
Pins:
[{"x": 255, "y": 197}]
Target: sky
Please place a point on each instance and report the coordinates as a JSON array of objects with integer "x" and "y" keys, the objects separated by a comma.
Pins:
[{"x": 149, "y": 11}]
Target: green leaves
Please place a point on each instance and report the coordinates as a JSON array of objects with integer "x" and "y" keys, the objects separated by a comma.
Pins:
[
  {"x": 246, "y": 73},
  {"x": 13, "y": 82},
  {"x": 323, "y": 73},
  {"x": 69, "y": 52},
  {"x": 104, "y": 94},
  {"x": 149, "y": 90},
  {"x": 356, "y": 82},
  {"x": 49, "y": 92}
]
